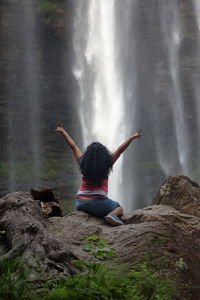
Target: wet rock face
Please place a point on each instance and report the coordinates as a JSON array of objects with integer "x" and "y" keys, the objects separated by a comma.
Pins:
[
  {"x": 36, "y": 88},
  {"x": 181, "y": 193}
]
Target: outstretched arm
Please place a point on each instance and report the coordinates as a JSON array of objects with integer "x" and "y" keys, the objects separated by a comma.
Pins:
[
  {"x": 125, "y": 145},
  {"x": 76, "y": 151}
]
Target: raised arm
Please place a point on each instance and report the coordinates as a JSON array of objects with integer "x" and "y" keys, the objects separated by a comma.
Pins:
[
  {"x": 125, "y": 145},
  {"x": 76, "y": 151}
]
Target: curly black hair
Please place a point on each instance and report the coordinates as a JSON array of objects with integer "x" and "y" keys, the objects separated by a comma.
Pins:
[{"x": 96, "y": 162}]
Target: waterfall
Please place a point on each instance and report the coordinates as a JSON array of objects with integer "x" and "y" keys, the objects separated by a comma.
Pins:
[
  {"x": 172, "y": 35},
  {"x": 101, "y": 91},
  {"x": 183, "y": 107},
  {"x": 23, "y": 94},
  {"x": 136, "y": 65},
  {"x": 196, "y": 5}
]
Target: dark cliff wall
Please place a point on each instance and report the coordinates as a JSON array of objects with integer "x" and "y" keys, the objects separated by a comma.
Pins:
[
  {"x": 3, "y": 68},
  {"x": 57, "y": 100}
]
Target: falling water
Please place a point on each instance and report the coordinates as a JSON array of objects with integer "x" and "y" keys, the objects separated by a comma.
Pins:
[
  {"x": 23, "y": 93},
  {"x": 196, "y": 7},
  {"x": 174, "y": 32},
  {"x": 136, "y": 65},
  {"x": 172, "y": 35},
  {"x": 101, "y": 91},
  {"x": 131, "y": 65}
]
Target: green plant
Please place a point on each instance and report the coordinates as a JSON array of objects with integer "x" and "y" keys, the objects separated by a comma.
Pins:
[
  {"x": 14, "y": 283},
  {"x": 91, "y": 282},
  {"x": 99, "y": 281},
  {"x": 96, "y": 280},
  {"x": 150, "y": 284}
]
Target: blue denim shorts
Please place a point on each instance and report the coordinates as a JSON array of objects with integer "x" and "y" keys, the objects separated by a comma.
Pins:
[{"x": 98, "y": 207}]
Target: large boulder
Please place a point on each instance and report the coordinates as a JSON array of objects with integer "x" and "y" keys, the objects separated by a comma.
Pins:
[
  {"x": 158, "y": 234},
  {"x": 166, "y": 234},
  {"x": 181, "y": 193},
  {"x": 28, "y": 236}
]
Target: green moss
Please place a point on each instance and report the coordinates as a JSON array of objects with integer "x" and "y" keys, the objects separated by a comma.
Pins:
[
  {"x": 148, "y": 165},
  {"x": 195, "y": 174},
  {"x": 53, "y": 14},
  {"x": 67, "y": 205},
  {"x": 26, "y": 170},
  {"x": 51, "y": 9},
  {"x": 50, "y": 6},
  {"x": 52, "y": 167},
  {"x": 4, "y": 169},
  {"x": 14, "y": 283}
]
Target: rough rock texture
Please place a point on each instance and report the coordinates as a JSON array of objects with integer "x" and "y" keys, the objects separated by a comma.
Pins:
[
  {"x": 28, "y": 235},
  {"x": 181, "y": 193},
  {"x": 160, "y": 234}
]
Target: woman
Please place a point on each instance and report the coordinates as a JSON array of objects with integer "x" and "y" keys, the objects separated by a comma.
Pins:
[{"x": 95, "y": 165}]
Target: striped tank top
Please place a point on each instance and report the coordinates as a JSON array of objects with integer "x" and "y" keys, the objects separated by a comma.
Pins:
[{"x": 90, "y": 188}]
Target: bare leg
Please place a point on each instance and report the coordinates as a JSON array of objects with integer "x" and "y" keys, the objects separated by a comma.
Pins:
[{"x": 118, "y": 211}]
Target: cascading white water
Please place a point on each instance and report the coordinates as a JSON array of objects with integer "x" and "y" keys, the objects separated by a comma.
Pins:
[
  {"x": 172, "y": 35},
  {"x": 196, "y": 5},
  {"x": 130, "y": 67},
  {"x": 136, "y": 65},
  {"x": 101, "y": 91},
  {"x": 23, "y": 93}
]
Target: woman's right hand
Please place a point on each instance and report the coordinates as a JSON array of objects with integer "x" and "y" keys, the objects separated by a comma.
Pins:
[{"x": 137, "y": 135}]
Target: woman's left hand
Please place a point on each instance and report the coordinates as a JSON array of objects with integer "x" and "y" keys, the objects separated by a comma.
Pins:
[{"x": 59, "y": 128}]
